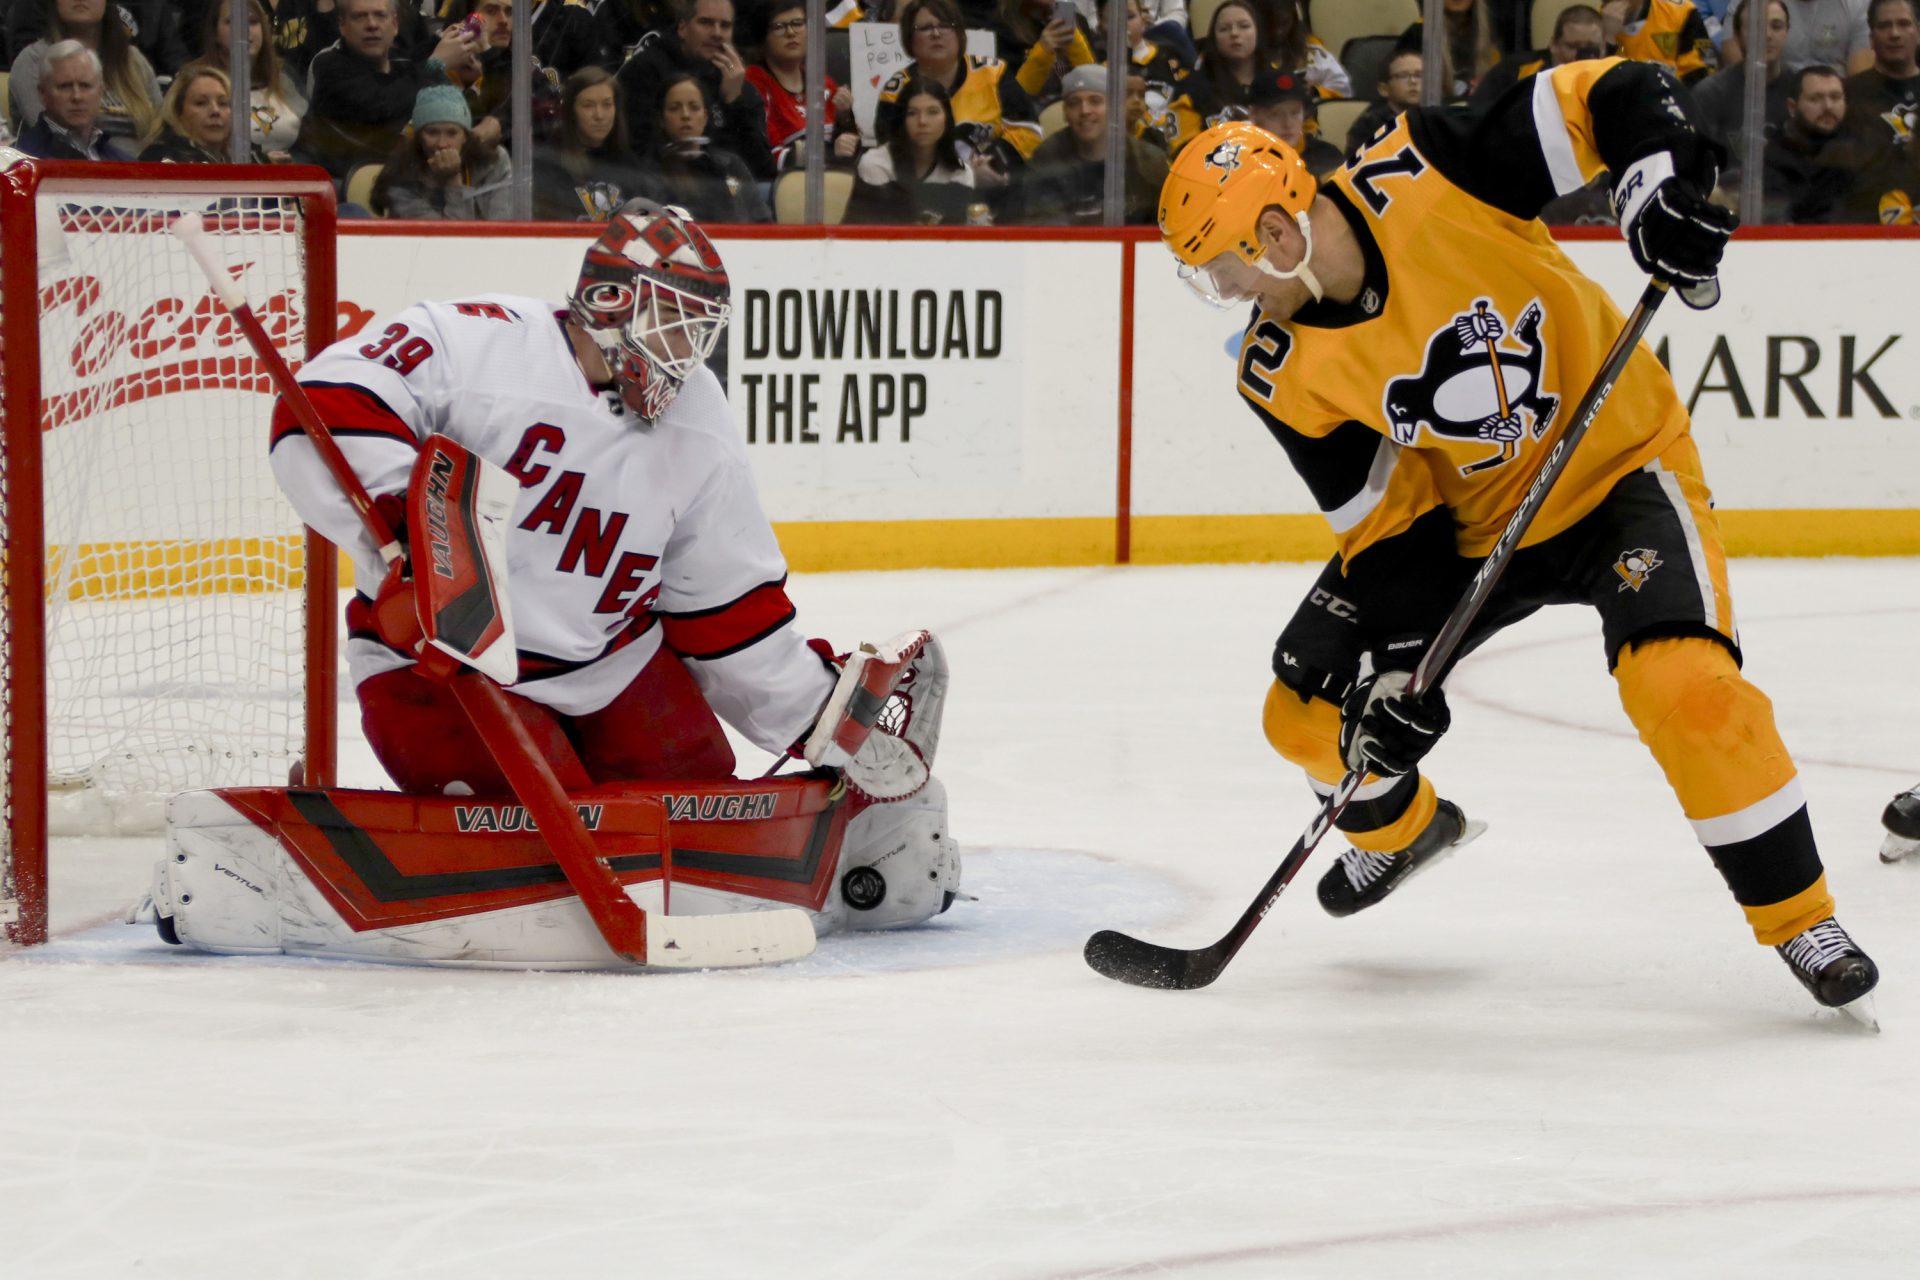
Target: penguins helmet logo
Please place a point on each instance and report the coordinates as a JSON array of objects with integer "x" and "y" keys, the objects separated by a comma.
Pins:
[
  {"x": 1225, "y": 157},
  {"x": 1634, "y": 566},
  {"x": 1471, "y": 387}
]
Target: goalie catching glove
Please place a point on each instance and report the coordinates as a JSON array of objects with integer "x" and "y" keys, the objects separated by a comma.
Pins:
[{"x": 881, "y": 724}]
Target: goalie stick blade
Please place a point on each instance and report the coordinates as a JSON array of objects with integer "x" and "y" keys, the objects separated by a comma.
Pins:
[
  {"x": 1143, "y": 964},
  {"x": 734, "y": 941}
]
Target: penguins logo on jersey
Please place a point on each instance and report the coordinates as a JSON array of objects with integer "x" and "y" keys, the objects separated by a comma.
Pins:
[
  {"x": 1634, "y": 566},
  {"x": 1225, "y": 157},
  {"x": 1470, "y": 387}
]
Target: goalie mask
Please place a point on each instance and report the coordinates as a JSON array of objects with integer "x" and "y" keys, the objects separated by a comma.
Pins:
[
  {"x": 653, "y": 296},
  {"x": 1210, "y": 207}
]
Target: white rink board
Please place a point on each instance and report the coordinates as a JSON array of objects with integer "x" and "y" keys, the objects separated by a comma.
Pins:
[
  {"x": 1008, "y": 385},
  {"x": 1199, "y": 451}
]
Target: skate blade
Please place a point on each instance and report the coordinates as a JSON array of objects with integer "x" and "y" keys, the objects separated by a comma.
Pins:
[
  {"x": 1863, "y": 1012},
  {"x": 1468, "y": 834},
  {"x": 1897, "y": 848}
]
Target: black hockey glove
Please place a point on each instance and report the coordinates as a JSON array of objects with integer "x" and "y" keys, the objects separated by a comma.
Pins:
[
  {"x": 1384, "y": 730},
  {"x": 1676, "y": 233}
]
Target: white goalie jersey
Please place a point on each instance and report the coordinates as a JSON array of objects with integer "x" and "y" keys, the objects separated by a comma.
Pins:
[{"x": 626, "y": 535}]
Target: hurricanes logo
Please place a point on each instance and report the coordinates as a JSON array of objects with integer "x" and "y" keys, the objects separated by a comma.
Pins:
[
  {"x": 1472, "y": 388},
  {"x": 1226, "y": 157},
  {"x": 1635, "y": 566}
]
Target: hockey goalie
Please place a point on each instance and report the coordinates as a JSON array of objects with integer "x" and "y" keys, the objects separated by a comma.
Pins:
[{"x": 581, "y": 526}]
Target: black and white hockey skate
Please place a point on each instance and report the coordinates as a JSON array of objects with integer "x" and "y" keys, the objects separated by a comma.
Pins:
[
  {"x": 1832, "y": 966},
  {"x": 1902, "y": 821},
  {"x": 1363, "y": 877}
]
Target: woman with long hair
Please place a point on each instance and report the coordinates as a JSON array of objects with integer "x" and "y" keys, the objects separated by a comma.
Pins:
[
  {"x": 196, "y": 120},
  {"x": 1467, "y": 53},
  {"x": 440, "y": 170},
  {"x": 1233, "y": 52},
  {"x": 276, "y": 103},
  {"x": 916, "y": 175},
  {"x": 589, "y": 169},
  {"x": 779, "y": 76},
  {"x": 1296, "y": 49},
  {"x": 713, "y": 184},
  {"x": 130, "y": 92},
  {"x": 999, "y": 126}
]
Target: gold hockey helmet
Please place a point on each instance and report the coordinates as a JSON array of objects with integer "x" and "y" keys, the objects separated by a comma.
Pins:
[{"x": 1211, "y": 202}]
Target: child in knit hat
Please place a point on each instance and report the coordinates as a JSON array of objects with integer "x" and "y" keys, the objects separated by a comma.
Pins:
[{"x": 440, "y": 170}]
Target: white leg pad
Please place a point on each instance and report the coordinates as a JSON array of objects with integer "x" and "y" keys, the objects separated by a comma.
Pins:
[{"x": 899, "y": 865}]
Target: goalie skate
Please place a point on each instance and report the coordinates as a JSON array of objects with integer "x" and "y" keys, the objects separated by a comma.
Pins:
[{"x": 1363, "y": 877}]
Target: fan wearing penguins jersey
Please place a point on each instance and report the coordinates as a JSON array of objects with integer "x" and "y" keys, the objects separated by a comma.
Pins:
[{"x": 1416, "y": 342}]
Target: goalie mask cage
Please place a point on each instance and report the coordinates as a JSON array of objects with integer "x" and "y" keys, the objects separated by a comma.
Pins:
[{"x": 166, "y": 621}]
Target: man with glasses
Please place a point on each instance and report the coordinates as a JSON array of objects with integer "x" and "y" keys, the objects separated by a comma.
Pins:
[
  {"x": 1417, "y": 345},
  {"x": 1399, "y": 89},
  {"x": 702, "y": 43},
  {"x": 363, "y": 91}
]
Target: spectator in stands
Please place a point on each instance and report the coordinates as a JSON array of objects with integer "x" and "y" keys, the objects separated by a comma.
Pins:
[
  {"x": 916, "y": 175},
  {"x": 1579, "y": 32},
  {"x": 566, "y": 35},
  {"x": 130, "y": 92},
  {"x": 1399, "y": 89},
  {"x": 624, "y": 24},
  {"x": 1887, "y": 94},
  {"x": 1294, "y": 48},
  {"x": 1233, "y": 53},
  {"x": 1053, "y": 47},
  {"x": 1721, "y": 99},
  {"x": 1066, "y": 182},
  {"x": 488, "y": 80},
  {"x": 364, "y": 92},
  {"x": 1159, "y": 65},
  {"x": 1816, "y": 164},
  {"x": 71, "y": 87},
  {"x": 151, "y": 26},
  {"x": 1139, "y": 117},
  {"x": 1467, "y": 53},
  {"x": 277, "y": 105},
  {"x": 1670, "y": 32},
  {"x": 1278, "y": 101},
  {"x": 999, "y": 127},
  {"x": 590, "y": 169},
  {"x": 301, "y": 29},
  {"x": 440, "y": 170},
  {"x": 780, "y": 75},
  {"x": 684, "y": 167},
  {"x": 1826, "y": 33},
  {"x": 700, "y": 43},
  {"x": 196, "y": 120}
]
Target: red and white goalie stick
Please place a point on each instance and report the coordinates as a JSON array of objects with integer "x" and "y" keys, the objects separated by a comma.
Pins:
[{"x": 667, "y": 942}]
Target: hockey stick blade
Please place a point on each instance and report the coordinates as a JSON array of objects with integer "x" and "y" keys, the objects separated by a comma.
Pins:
[
  {"x": 1145, "y": 964},
  {"x": 728, "y": 941}
]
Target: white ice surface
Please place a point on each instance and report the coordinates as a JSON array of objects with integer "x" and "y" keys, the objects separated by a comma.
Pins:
[{"x": 1558, "y": 1055}]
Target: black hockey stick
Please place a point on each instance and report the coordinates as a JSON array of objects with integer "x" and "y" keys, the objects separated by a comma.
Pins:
[{"x": 1146, "y": 964}]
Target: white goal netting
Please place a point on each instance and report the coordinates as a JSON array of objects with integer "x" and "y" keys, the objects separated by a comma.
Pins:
[{"x": 174, "y": 624}]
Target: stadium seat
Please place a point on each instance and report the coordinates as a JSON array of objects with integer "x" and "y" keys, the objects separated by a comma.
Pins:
[
  {"x": 1365, "y": 60},
  {"x": 1053, "y": 118},
  {"x": 360, "y": 185},
  {"x": 790, "y": 197},
  {"x": 1337, "y": 116},
  {"x": 1338, "y": 21},
  {"x": 1200, "y": 17},
  {"x": 1545, "y": 12}
]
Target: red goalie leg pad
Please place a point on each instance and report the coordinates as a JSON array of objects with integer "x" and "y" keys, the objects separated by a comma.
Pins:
[
  {"x": 659, "y": 727},
  {"x": 424, "y": 740}
]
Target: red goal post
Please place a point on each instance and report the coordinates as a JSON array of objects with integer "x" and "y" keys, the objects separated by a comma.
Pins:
[{"x": 166, "y": 622}]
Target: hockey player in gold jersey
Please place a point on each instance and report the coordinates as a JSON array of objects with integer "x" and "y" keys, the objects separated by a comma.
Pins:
[{"x": 1416, "y": 339}]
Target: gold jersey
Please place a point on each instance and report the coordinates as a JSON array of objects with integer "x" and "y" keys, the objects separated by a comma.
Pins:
[{"x": 1473, "y": 336}]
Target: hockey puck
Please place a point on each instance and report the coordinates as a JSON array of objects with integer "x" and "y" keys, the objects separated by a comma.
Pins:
[{"x": 863, "y": 888}]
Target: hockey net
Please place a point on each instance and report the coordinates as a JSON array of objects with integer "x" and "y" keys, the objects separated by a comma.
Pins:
[{"x": 160, "y": 626}]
